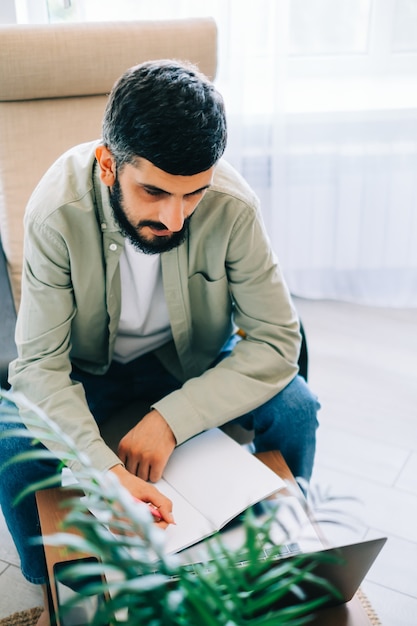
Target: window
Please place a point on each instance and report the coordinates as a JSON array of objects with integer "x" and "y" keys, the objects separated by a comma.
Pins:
[{"x": 329, "y": 27}]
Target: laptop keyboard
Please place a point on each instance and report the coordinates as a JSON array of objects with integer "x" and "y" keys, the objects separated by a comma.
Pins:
[{"x": 285, "y": 550}]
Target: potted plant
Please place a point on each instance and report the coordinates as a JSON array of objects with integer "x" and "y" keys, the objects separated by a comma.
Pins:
[{"x": 135, "y": 582}]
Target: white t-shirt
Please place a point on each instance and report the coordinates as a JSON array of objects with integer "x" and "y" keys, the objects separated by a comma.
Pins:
[{"x": 144, "y": 320}]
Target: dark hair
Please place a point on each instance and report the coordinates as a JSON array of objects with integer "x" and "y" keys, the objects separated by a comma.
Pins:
[{"x": 169, "y": 113}]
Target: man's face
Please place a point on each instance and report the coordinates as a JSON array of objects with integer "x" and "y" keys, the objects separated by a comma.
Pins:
[{"x": 151, "y": 206}]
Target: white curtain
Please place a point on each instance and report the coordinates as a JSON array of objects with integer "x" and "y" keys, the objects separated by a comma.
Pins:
[
  {"x": 322, "y": 106},
  {"x": 332, "y": 157}
]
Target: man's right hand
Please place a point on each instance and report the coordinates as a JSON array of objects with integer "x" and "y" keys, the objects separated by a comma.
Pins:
[{"x": 146, "y": 492}]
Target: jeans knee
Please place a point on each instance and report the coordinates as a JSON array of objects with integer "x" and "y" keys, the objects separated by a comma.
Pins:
[
  {"x": 299, "y": 400},
  {"x": 10, "y": 443}
]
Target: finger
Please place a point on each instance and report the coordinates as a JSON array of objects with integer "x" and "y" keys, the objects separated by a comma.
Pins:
[
  {"x": 142, "y": 470},
  {"x": 122, "y": 456},
  {"x": 131, "y": 465},
  {"x": 122, "y": 451},
  {"x": 162, "y": 524},
  {"x": 164, "y": 506},
  {"x": 155, "y": 472},
  {"x": 157, "y": 515},
  {"x": 166, "y": 513}
]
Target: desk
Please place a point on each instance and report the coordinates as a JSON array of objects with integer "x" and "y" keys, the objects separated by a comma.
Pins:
[{"x": 51, "y": 513}]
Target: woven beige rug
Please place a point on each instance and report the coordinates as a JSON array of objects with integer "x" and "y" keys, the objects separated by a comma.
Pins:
[
  {"x": 373, "y": 617},
  {"x": 30, "y": 617},
  {"x": 22, "y": 618}
]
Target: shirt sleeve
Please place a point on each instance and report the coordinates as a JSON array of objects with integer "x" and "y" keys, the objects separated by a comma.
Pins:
[{"x": 43, "y": 336}]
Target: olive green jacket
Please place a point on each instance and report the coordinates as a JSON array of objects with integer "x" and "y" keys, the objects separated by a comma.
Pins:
[{"x": 223, "y": 277}]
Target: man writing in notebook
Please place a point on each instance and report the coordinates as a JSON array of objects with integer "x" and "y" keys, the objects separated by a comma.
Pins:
[{"x": 145, "y": 252}]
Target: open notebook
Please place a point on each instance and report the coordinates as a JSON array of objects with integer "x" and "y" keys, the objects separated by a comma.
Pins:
[{"x": 211, "y": 479}]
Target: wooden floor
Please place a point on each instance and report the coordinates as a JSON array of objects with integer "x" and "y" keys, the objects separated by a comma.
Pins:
[{"x": 363, "y": 367}]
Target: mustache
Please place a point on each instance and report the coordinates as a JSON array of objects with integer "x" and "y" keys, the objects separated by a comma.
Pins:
[{"x": 151, "y": 224}]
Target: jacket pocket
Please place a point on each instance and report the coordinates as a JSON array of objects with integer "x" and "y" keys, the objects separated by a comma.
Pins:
[{"x": 211, "y": 312}]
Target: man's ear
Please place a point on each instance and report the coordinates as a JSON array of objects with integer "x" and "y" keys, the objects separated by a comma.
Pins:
[{"x": 107, "y": 165}]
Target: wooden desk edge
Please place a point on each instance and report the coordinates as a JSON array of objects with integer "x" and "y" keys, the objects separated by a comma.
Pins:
[{"x": 51, "y": 510}]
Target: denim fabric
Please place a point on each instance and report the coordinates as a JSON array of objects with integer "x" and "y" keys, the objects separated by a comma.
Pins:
[
  {"x": 22, "y": 519},
  {"x": 287, "y": 422}
]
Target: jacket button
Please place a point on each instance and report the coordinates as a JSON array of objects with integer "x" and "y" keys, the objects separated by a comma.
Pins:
[{"x": 113, "y": 247}]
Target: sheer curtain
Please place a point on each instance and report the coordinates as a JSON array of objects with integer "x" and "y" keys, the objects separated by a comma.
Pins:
[
  {"x": 324, "y": 127},
  {"x": 322, "y": 106}
]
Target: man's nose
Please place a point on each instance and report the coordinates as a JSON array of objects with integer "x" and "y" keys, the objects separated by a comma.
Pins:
[{"x": 172, "y": 214}]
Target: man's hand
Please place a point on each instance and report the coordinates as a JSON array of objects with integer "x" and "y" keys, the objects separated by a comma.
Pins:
[
  {"x": 146, "y": 448},
  {"x": 145, "y": 492}
]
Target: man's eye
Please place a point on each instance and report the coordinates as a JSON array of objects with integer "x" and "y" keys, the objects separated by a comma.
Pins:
[
  {"x": 195, "y": 194},
  {"x": 154, "y": 192}
]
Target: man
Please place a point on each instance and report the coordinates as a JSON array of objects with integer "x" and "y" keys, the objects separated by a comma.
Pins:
[{"x": 144, "y": 252}]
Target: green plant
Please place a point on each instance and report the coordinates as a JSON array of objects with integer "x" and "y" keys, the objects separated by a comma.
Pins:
[{"x": 141, "y": 584}]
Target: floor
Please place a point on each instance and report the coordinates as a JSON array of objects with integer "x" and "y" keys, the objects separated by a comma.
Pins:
[{"x": 363, "y": 367}]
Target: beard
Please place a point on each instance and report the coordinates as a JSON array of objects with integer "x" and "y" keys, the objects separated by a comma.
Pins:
[{"x": 154, "y": 245}]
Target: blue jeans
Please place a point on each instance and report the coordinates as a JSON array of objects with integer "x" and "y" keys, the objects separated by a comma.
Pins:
[{"x": 286, "y": 422}]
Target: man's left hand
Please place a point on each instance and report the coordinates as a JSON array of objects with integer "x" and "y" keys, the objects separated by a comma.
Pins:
[{"x": 146, "y": 448}]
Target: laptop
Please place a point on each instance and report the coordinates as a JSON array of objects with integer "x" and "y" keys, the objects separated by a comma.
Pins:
[{"x": 343, "y": 567}]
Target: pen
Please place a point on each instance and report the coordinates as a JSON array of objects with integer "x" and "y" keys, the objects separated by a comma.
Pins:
[{"x": 153, "y": 509}]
